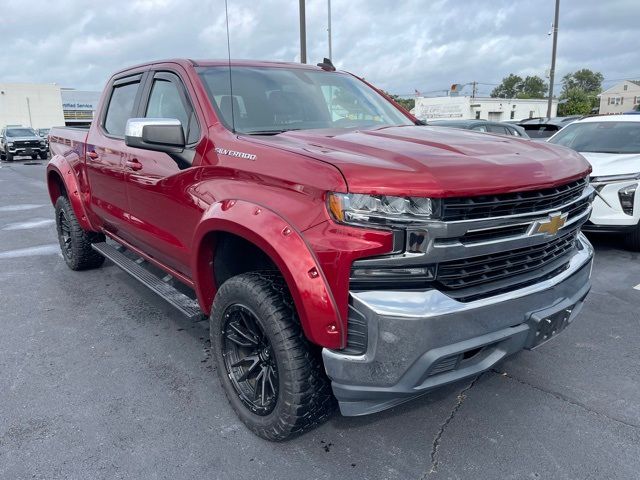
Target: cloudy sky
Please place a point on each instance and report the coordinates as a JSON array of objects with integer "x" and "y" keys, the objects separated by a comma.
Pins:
[{"x": 399, "y": 45}]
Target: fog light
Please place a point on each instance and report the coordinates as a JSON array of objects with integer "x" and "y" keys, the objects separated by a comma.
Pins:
[{"x": 627, "y": 197}]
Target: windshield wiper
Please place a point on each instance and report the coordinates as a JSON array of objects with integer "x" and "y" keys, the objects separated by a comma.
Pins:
[{"x": 271, "y": 132}]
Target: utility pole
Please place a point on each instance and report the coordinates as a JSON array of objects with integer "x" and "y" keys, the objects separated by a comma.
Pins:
[
  {"x": 552, "y": 72},
  {"x": 474, "y": 89},
  {"x": 329, "y": 26},
  {"x": 29, "y": 110},
  {"x": 303, "y": 33}
]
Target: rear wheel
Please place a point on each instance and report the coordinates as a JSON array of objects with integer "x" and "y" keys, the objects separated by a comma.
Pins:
[
  {"x": 632, "y": 239},
  {"x": 272, "y": 376},
  {"x": 75, "y": 243}
]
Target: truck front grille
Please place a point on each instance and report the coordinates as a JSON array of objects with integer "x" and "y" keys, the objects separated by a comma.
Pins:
[
  {"x": 523, "y": 265},
  {"x": 487, "y": 206},
  {"x": 26, "y": 143}
]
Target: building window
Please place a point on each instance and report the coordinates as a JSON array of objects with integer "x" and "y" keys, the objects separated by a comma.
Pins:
[
  {"x": 636, "y": 100},
  {"x": 531, "y": 112},
  {"x": 513, "y": 114},
  {"x": 478, "y": 115},
  {"x": 616, "y": 100},
  {"x": 625, "y": 87}
]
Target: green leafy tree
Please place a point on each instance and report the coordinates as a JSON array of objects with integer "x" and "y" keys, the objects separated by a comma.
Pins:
[
  {"x": 575, "y": 101},
  {"x": 533, "y": 87},
  {"x": 580, "y": 91},
  {"x": 514, "y": 86},
  {"x": 584, "y": 79},
  {"x": 509, "y": 88},
  {"x": 406, "y": 103}
]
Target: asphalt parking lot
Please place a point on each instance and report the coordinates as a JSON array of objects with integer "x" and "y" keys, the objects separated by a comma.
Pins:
[{"x": 101, "y": 379}]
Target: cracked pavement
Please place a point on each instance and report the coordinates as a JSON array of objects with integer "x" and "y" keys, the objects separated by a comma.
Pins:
[{"x": 101, "y": 379}]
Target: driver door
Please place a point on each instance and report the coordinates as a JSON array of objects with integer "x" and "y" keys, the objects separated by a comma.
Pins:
[{"x": 163, "y": 216}]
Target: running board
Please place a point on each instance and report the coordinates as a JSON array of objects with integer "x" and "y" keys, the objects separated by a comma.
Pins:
[{"x": 160, "y": 286}]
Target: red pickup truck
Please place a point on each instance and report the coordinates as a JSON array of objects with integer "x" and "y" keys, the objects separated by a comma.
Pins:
[{"x": 339, "y": 249}]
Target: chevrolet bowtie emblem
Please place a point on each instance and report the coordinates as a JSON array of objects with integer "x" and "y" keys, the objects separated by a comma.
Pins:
[{"x": 551, "y": 225}]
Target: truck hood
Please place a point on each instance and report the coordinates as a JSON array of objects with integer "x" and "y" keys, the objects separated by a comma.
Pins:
[
  {"x": 613, "y": 163},
  {"x": 30, "y": 138},
  {"x": 438, "y": 162}
]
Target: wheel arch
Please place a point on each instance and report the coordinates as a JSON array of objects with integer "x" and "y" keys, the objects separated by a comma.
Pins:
[
  {"x": 62, "y": 181},
  {"x": 285, "y": 248}
]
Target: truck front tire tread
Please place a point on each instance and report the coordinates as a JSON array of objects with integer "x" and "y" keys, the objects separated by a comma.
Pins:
[{"x": 305, "y": 398}]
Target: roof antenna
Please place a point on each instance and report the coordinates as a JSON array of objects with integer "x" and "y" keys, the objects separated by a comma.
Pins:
[
  {"x": 233, "y": 120},
  {"x": 327, "y": 65}
]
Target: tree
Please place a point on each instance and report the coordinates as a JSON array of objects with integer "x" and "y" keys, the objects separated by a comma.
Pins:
[
  {"x": 533, "y": 87},
  {"x": 580, "y": 91},
  {"x": 575, "y": 101},
  {"x": 513, "y": 86},
  {"x": 509, "y": 88},
  {"x": 584, "y": 79},
  {"x": 406, "y": 103}
]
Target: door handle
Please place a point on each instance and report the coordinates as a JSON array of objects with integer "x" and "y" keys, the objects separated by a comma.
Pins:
[
  {"x": 134, "y": 164},
  {"x": 92, "y": 155}
]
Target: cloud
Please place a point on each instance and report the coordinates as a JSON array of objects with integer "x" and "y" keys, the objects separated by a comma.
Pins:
[{"x": 399, "y": 46}]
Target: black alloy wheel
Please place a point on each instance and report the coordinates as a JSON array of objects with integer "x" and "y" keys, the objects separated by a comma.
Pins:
[{"x": 249, "y": 360}]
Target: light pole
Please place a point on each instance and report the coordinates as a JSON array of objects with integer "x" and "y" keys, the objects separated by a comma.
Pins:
[
  {"x": 329, "y": 26},
  {"x": 303, "y": 33},
  {"x": 552, "y": 72}
]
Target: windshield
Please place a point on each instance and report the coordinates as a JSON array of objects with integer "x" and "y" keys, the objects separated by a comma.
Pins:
[
  {"x": 600, "y": 137},
  {"x": 43, "y": 132},
  {"x": 20, "y": 132},
  {"x": 271, "y": 100}
]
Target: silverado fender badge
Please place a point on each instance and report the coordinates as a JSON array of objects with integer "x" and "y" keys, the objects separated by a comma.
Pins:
[
  {"x": 550, "y": 225},
  {"x": 235, "y": 153}
]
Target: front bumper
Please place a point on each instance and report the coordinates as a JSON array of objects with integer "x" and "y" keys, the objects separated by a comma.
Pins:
[
  {"x": 421, "y": 340},
  {"x": 17, "y": 151}
]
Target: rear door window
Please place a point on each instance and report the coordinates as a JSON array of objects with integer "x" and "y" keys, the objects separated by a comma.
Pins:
[{"x": 120, "y": 109}]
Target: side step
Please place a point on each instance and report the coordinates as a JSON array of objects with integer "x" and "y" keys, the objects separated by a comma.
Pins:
[{"x": 179, "y": 300}]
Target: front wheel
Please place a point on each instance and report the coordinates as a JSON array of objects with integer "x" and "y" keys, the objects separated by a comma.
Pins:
[
  {"x": 43, "y": 155},
  {"x": 272, "y": 376},
  {"x": 9, "y": 157},
  {"x": 75, "y": 243},
  {"x": 34, "y": 156}
]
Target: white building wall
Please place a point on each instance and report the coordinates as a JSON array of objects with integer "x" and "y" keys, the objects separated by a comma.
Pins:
[
  {"x": 494, "y": 109},
  {"x": 31, "y": 105}
]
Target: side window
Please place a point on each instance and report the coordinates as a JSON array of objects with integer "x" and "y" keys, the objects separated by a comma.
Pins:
[
  {"x": 498, "y": 129},
  {"x": 165, "y": 101},
  {"x": 120, "y": 108},
  {"x": 480, "y": 128}
]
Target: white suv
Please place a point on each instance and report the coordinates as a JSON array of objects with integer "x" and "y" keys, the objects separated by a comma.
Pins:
[{"x": 612, "y": 145}]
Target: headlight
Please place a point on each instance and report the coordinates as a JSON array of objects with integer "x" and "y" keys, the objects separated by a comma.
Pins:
[
  {"x": 615, "y": 178},
  {"x": 43, "y": 143},
  {"x": 9, "y": 144},
  {"x": 627, "y": 195},
  {"x": 381, "y": 210}
]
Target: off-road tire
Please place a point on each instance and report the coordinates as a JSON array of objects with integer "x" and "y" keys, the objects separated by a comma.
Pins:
[
  {"x": 75, "y": 244},
  {"x": 34, "y": 157},
  {"x": 632, "y": 240},
  {"x": 304, "y": 399},
  {"x": 44, "y": 156},
  {"x": 9, "y": 157}
]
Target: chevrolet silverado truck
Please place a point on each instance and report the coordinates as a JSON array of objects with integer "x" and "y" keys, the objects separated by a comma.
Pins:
[
  {"x": 21, "y": 141},
  {"x": 338, "y": 249}
]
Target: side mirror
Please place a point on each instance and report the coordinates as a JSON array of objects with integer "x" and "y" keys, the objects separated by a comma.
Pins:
[{"x": 157, "y": 134}]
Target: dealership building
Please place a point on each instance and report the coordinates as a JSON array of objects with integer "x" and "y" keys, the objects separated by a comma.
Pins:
[
  {"x": 486, "y": 108},
  {"x": 45, "y": 105}
]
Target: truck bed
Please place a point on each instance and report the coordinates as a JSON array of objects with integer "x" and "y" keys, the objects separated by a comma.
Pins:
[{"x": 63, "y": 139}]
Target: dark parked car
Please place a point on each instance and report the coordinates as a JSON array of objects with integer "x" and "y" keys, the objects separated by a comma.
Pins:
[
  {"x": 482, "y": 126},
  {"x": 544, "y": 127},
  {"x": 21, "y": 141},
  {"x": 44, "y": 133}
]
